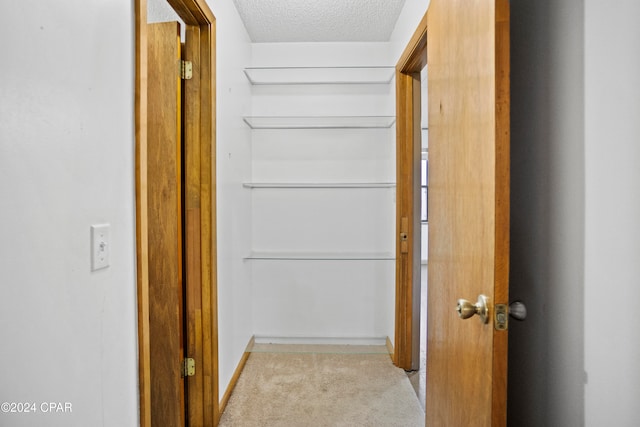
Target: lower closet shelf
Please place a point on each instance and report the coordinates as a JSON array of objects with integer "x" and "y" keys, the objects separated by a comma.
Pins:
[
  {"x": 320, "y": 122},
  {"x": 323, "y": 256}
]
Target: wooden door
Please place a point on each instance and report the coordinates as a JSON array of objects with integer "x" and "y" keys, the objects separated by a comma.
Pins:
[
  {"x": 198, "y": 210},
  {"x": 468, "y": 87},
  {"x": 166, "y": 294}
]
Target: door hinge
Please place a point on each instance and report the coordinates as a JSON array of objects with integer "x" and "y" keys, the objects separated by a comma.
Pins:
[
  {"x": 186, "y": 70},
  {"x": 188, "y": 368}
]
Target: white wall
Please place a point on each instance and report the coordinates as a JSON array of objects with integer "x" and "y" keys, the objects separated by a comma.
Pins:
[
  {"x": 161, "y": 11},
  {"x": 67, "y": 162},
  {"x": 323, "y": 299},
  {"x": 612, "y": 199},
  {"x": 412, "y": 13},
  {"x": 234, "y": 204}
]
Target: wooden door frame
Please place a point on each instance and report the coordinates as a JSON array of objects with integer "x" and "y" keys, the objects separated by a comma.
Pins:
[
  {"x": 200, "y": 211},
  {"x": 408, "y": 183}
]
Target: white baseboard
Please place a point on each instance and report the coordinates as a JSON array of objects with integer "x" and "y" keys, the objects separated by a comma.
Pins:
[{"x": 322, "y": 340}]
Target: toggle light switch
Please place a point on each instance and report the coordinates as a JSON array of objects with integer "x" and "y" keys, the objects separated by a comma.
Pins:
[{"x": 100, "y": 246}]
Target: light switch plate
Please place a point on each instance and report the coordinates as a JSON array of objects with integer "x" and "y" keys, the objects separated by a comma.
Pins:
[{"x": 100, "y": 246}]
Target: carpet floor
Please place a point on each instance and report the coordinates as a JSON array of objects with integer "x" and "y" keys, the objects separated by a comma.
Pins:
[{"x": 322, "y": 388}]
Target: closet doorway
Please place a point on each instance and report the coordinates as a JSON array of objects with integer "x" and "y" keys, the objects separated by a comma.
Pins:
[
  {"x": 467, "y": 52},
  {"x": 175, "y": 217}
]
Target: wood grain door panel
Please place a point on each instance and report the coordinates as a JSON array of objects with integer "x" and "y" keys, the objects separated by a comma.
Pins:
[
  {"x": 468, "y": 86},
  {"x": 166, "y": 324}
]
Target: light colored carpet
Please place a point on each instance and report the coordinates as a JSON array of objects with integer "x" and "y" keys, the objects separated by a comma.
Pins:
[{"x": 322, "y": 389}]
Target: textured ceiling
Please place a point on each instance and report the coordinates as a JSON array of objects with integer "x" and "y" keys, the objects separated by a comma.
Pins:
[{"x": 319, "y": 20}]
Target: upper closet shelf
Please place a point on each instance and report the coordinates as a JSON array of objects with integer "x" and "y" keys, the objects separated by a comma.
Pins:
[
  {"x": 320, "y": 122},
  {"x": 319, "y": 185},
  {"x": 319, "y": 75}
]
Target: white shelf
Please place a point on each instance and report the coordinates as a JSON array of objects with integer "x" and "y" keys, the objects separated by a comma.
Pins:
[
  {"x": 319, "y": 75},
  {"x": 322, "y": 256},
  {"x": 319, "y": 185},
  {"x": 319, "y": 122}
]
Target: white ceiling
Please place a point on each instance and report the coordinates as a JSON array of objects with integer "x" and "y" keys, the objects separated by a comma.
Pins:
[{"x": 319, "y": 20}]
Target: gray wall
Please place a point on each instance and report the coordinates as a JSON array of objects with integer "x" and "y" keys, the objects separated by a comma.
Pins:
[
  {"x": 612, "y": 199},
  {"x": 575, "y": 179},
  {"x": 546, "y": 357}
]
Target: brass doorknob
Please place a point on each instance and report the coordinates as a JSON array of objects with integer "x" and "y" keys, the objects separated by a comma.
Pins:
[{"x": 466, "y": 309}]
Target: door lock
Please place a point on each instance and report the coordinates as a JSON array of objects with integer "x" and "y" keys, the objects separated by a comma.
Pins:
[
  {"x": 404, "y": 235},
  {"x": 516, "y": 310}
]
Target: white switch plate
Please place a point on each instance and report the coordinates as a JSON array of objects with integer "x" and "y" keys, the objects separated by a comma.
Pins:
[{"x": 100, "y": 246}]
